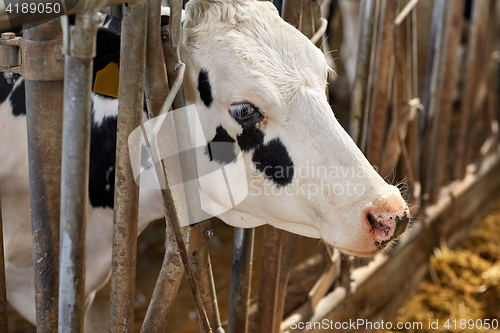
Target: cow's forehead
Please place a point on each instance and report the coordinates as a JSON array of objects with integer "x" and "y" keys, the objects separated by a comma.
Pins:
[{"x": 255, "y": 43}]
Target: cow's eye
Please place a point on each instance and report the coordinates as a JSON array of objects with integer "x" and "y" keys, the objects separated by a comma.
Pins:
[{"x": 243, "y": 111}]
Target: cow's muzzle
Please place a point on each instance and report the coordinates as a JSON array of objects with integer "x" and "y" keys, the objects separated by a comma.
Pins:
[{"x": 387, "y": 226}]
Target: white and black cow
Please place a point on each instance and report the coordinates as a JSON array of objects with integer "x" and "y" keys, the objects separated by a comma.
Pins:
[{"x": 259, "y": 85}]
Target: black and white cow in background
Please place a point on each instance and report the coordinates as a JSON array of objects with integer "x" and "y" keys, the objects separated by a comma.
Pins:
[{"x": 258, "y": 84}]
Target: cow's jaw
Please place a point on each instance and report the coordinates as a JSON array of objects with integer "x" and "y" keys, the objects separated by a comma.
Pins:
[{"x": 256, "y": 58}]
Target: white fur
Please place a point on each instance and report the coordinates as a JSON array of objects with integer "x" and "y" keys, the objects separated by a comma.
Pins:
[
  {"x": 104, "y": 107},
  {"x": 252, "y": 55}
]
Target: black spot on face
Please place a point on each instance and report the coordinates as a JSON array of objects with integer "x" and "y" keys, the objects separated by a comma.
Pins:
[
  {"x": 18, "y": 100},
  {"x": 250, "y": 138},
  {"x": 221, "y": 148},
  {"x": 204, "y": 88},
  {"x": 273, "y": 160}
]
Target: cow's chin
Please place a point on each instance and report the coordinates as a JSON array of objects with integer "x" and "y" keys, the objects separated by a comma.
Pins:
[
  {"x": 362, "y": 254},
  {"x": 362, "y": 251}
]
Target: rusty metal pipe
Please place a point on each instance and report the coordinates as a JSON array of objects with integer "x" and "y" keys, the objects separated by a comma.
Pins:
[
  {"x": 475, "y": 60},
  {"x": 173, "y": 220},
  {"x": 3, "y": 293},
  {"x": 444, "y": 101},
  {"x": 156, "y": 74},
  {"x": 157, "y": 91},
  {"x": 125, "y": 213},
  {"x": 202, "y": 271},
  {"x": 382, "y": 89},
  {"x": 279, "y": 248},
  {"x": 363, "y": 66},
  {"x": 171, "y": 38},
  {"x": 431, "y": 117},
  {"x": 239, "y": 294},
  {"x": 75, "y": 171},
  {"x": 166, "y": 288},
  {"x": 44, "y": 104}
]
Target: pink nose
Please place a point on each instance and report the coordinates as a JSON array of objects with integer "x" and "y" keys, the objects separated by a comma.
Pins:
[
  {"x": 388, "y": 226},
  {"x": 388, "y": 219}
]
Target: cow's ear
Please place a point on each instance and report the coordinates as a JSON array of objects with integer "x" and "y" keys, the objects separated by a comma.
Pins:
[
  {"x": 106, "y": 63},
  {"x": 108, "y": 48}
]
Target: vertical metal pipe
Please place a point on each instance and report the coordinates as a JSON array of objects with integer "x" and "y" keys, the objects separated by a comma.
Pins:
[
  {"x": 171, "y": 41},
  {"x": 157, "y": 90},
  {"x": 432, "y": 93},
  {"x": 166, "y": 288},
  {"x": 436, "y": 166},
  {"x": 475, "y": 50},
  {"x": 270, "y": 277},
  {"x": 75, "y": 171},
  {"x": 202, "y": 271},
  {"x": 241, "y": 279},
  {"x": 478, "y": 129},
  {"x": 279, "y": 247},
  {"x": 292, "y": 12},
  {"x": 3, "y": 293},
  {"x": 125, "y": 214},
  {"x": 290, "y": 244},
  {"x": 398, "y": 126},
  {"x": 168, "y": 202},
  {"x": 44, "y": 104},
  {"x": 156, "y": 74},
  {"x": 382, "y": 83},
  {"x": 365, "y": 101},
  {"x": 359, "y": 89},
  {"x": 171, "y": 53}
]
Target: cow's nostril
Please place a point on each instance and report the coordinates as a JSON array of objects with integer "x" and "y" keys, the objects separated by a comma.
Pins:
[
  {"x": 382, "y": 227},
  {"x": 401, "y": 223},
  {"x": 372, "y": 220}
]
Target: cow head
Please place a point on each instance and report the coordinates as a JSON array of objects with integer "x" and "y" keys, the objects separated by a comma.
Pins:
[{"x": 259, "y": 86}]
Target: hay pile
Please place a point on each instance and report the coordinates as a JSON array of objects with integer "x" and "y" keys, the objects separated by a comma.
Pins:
[{"x": 462, "y": 284}]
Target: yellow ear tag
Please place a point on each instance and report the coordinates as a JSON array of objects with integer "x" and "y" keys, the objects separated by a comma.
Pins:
[{"x": 106, "y": 80}]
